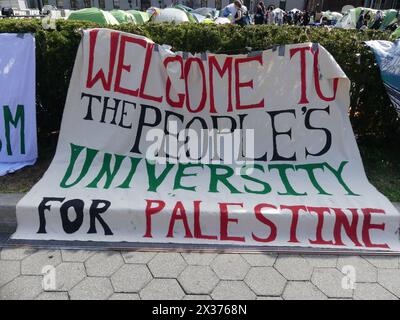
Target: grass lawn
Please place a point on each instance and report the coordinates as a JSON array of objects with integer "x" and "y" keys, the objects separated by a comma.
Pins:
[
  {"x": 382, "y": 165},
  {"x": 24, "y": 179}
]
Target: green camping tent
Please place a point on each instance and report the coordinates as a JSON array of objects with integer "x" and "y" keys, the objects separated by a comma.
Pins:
[
  {"x": 182, "y": 7},
  {"x": 208, "y": 21},
  {"x": 123, "y": 16},
  {"x": 191, "y": 18},
  {"x": 187, "y": 10},
  {"x": 371, "y": 12},
  {"x": 351, "y": 17},
  {"x": 396, "y": 34},
  {"x": 140, "y": 16},
  {"x": 389, "y": 17},
  {"x": 93, "y": 15}
]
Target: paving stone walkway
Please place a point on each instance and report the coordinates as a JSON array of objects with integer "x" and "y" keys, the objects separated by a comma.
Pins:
[{"x": 26, "y": 273}]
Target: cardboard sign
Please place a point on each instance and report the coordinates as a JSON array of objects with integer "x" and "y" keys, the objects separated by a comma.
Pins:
[
  {"x": 170, "y": 147},
  {"x": 18, "y": 142}
]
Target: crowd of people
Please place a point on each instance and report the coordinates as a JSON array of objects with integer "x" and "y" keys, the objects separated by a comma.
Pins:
[
  {"x": 365, "y": 19},
  {"x": 262, "y": 15},
  {"x": 368, "y": 21},
  {"x": 238, "y": 11},
  {"x": 270, "y": 15}
]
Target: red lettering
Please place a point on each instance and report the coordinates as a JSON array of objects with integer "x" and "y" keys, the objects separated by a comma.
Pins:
[
  {"x": 91, "y": 81},
  {"x": 212, "y": 61},
  {"x": 316, "y": 80},
  {"x": 302, "y": 50},
  {"x": 150, "y": 210},
  {"x": 295, "y": 219},
  {"x": 203, "y": 99},
  {"x": 147, "y": 61},
  {"x": 123, "y": 67},
  {"x": 181, "y": 96},
  {"x": 225, "y": 221},
  {"x": 320, "y": 216},
  {"x": 197, "y": 227},
  {"x": 179, "y": 213},
  {"x": 341, "y": 222},
  {"x": 248, "y": 84},
  {"x": 367, "y": 226},
  {"x": 263, "y": 219}
]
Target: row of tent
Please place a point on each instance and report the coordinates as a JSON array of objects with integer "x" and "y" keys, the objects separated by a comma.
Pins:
[
  {"x": 181, "y": 13},
  {"x": 176, "y": 14},
  {"x": 332, "y": 15},
  {"x": 349, "y": 20},
  {"x": 396, "y": 33},
  {"x": 113, "y": 17}
]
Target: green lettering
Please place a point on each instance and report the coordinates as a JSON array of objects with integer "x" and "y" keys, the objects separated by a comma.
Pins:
[
  {"x": 107, "y": 171},
  {"x": 180, "y": 174},
  {"x": 338, "y": 174},
  {"x": 282, "y": 173},
  {"x": 9, "y": 120},
  {"x": 127, "y": 181},
  {"x": 75, "y": 152},
  {"x": 266, "y": 187},
  {"x": 309, "y": 168},
  {"x": 154, "y": 182},
  {"x": 222, "y": 177}
]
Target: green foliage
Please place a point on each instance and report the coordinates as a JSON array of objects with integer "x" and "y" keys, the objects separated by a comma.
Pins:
[
  {"x": 371, "y": 112},
  {"x": 382, "y": 166}
]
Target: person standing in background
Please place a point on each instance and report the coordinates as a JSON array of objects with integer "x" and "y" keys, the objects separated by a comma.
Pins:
[
  {"x": 289, "y": 17},
  {"x": 296, "y": 18},
  {"x": 229, "y": 10},
  {"x": 270, "y": 16},
  {"x": 318, "y": 14},
  {"x": 378, "y": 20},
  {"x": 280, "y": 15},
  {"x": 360, "y": 20},
  {"x": 367, "y": 20},
  {"x": 306, "y": 18},
  {"x": 239, "y": 16},
  {"x": 259, "y": 16}
]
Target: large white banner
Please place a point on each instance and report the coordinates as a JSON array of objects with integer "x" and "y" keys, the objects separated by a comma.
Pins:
[
  {"x": 18, "y": 143},
  {"x": 169, "y": 147}
]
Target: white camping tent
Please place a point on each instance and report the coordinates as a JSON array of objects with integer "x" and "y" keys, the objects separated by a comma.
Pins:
[
  {"x": 277, "y": 10},
  {"x": 222, "y": 20},
  {"x": 171, "y": 15}
]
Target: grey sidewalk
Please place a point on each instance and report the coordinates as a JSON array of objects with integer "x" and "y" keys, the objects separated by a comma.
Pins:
[
  {"x": 170, "y": 275},
  {"x": 27, "y": 273},
  {"x": 8, "y": 202}
]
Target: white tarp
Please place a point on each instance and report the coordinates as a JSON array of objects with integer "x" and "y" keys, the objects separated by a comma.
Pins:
[
  {"x": 387, "y": 55},
  {"x": 278, "y": 165},
  {"x": 18, "y": 143}
]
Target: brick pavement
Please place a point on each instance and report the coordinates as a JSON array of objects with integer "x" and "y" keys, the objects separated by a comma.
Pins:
[{"x": 83, "y": 274}]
